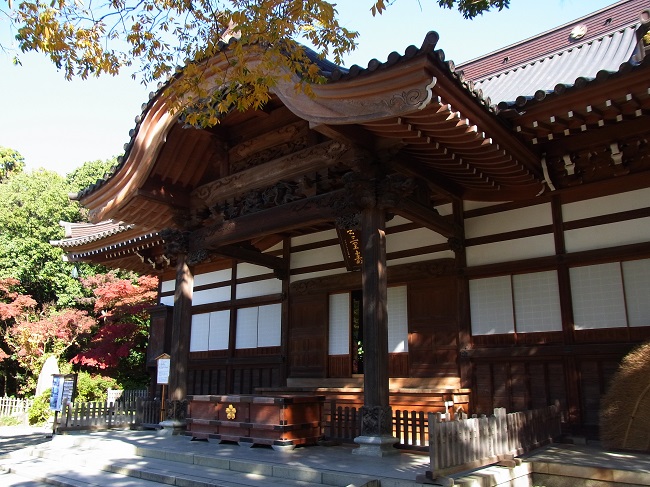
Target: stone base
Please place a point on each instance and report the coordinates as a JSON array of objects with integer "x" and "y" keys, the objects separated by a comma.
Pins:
[
  {"x": 172, "y": 427},
  {"x": 375, "y": 446}
]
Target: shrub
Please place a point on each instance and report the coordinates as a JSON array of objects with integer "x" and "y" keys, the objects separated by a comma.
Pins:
[
  {"x": 93, "y": 387},
  {"x": 40, "y": 412},
  {"x": 10, "y": 421}
]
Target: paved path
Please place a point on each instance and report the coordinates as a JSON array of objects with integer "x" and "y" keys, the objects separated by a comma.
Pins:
[{"x": 14, "y": 438}]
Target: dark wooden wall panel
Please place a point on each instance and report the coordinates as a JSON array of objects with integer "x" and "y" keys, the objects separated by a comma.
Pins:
[
  {"x": 517, "y": 385},
  {"x": 398, "y": 364},
  {"x": 433, "y": 328},
  {"x": 339, "y": 366},
  {"x": 308, "y": 339}
]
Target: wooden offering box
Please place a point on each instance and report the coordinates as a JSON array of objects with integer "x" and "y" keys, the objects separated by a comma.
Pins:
[{"x": 280, "y": 421}]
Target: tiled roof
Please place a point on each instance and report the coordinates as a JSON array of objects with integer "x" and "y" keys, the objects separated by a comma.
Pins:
[
  {"x": 577, "y": 64},
  {"x": 604, "y": 21},
  {"x": 82, "y": 233}
]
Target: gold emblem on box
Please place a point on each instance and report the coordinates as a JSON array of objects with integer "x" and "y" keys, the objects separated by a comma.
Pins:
[{"x": 231, "y": 412}]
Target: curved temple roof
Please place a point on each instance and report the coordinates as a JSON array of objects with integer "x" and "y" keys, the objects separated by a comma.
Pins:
[{"x": 415, "y": 110}]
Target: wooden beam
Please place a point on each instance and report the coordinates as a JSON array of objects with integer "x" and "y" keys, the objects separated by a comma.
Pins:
[
  {"x": 165, "y": 194},
  {"x": 446, "y": 188},
  {"x": 291, "y": 166},
  {"x": 427, "y": 217},
  {"x": 297, "y": 214}
]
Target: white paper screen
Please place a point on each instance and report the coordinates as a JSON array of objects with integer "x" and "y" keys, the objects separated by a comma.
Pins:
[
  {"x": 246, "y": 336},
  {"x": 491, "y": 306},
  {"x": 339, "y": 323},
  {"x": 219, "y": 330},
  {"x": 636, "y": 276},
  {"x": 269, "y": 325},
  {"x": 537, "y": 302},
  {"x": 200, "y": 332},
  {"x": 397, "y": 319},
  {"x": 597, "y": 292}
]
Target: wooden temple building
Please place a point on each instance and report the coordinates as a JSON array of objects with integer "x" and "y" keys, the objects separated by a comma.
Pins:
[{"x": 479, "y": 233}]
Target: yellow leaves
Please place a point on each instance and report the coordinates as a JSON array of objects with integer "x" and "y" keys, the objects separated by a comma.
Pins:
[
  {"x": 378, "y": 8},
  {"x": 84, "y": 38}
]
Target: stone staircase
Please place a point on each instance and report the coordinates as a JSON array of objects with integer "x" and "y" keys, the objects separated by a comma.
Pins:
[{"x": 78, "y": 461}]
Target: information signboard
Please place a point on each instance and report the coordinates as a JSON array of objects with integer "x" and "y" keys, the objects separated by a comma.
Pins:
[
  {"x": 63, "y": 387},
  {"x": 163, "y": 369}
]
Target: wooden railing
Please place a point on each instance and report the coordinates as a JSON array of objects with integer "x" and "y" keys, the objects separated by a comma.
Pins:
[
  {"x": 96, "y": 415},
  {"x": 11, "y": 406},
  {"x": 148, "y": 413},
  {"x": 115, "y": 395},
  {"x": 465, "y": 444},
  {"x": 343, "y": 424}
]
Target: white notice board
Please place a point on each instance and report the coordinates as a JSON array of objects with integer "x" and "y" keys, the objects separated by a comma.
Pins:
[{"x": 163, "y": 370}]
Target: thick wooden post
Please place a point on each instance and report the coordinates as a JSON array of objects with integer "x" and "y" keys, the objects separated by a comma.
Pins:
[
  {"x": 376, "y": 414},
  {"x": 181, "y": 321},
  {"x": 175, "y": 406}
]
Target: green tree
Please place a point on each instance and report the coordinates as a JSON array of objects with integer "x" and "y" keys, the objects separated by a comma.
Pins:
[
  {"x": 87, "y": 39},
  {"x": 31, "y": 207},
  {"x": 11, "y": 162},
  {"x": 89, "y": 173}
]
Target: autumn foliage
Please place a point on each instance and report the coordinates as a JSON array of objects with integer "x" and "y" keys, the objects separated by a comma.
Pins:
[
  {"x": 121, "y": 307},
  {"x": 111, "y": 338}
]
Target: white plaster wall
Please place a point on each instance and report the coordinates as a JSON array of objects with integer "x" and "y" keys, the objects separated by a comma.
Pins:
[
  {"x": 611, "y": 235},
  {"x": 447, "y": 254},
  {"x": 314, "y": 275},
  {"x": 167, "y": 286},
  {"x": 212, "y": 277},
  {"x": 509, "y": 221},
  {"x": 313, "y": 237},
  {"x": 214, "y": 295},
  {"x": 259, "y": 288},
  {"x": 167, "y": 300},
  {"x": 475, "y": 205},
  {"x": 511, "y": 250},
  {"x": 445, "y": 210},
  {"x": 396, "y": 221},
  {"x": 606, "y": 205},
  {"x": 276, "y": 247},
  {"x": 323, "y": 255},
  {"x": 420, "y": 237},
  {"x": 251, "y": 270}
]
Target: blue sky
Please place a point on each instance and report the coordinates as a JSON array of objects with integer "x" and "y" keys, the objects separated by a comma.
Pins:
[{"x": 59, "y": 124}]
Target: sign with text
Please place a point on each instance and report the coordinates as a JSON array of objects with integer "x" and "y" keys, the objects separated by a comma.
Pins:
[
  {"x": 350, "y": 242},
  {"x": 164, "y": 362},
  {"x": 63, "y": 388}
]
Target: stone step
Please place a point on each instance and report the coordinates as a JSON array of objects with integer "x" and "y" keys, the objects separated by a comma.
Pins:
[{"x": 82, "y": 462}]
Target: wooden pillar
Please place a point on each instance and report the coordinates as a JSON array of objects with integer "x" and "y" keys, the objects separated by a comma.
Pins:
[
  {"x": 376, "y": 414},
  {"x": 181, "y": 324}
]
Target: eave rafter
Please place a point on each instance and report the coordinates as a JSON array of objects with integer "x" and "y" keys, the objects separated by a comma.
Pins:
[{"x": 592, "y": 107}]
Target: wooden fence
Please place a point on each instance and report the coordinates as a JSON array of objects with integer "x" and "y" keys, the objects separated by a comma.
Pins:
[
  {"x": 343, "y": 424},
  {"x": 96, "y": 415},
  {"x": 138, "y": 413},
  {"x": 465, "y": 444},
  {"x": 115, "y": 395},
  {"x": 11, "y": 406}
]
